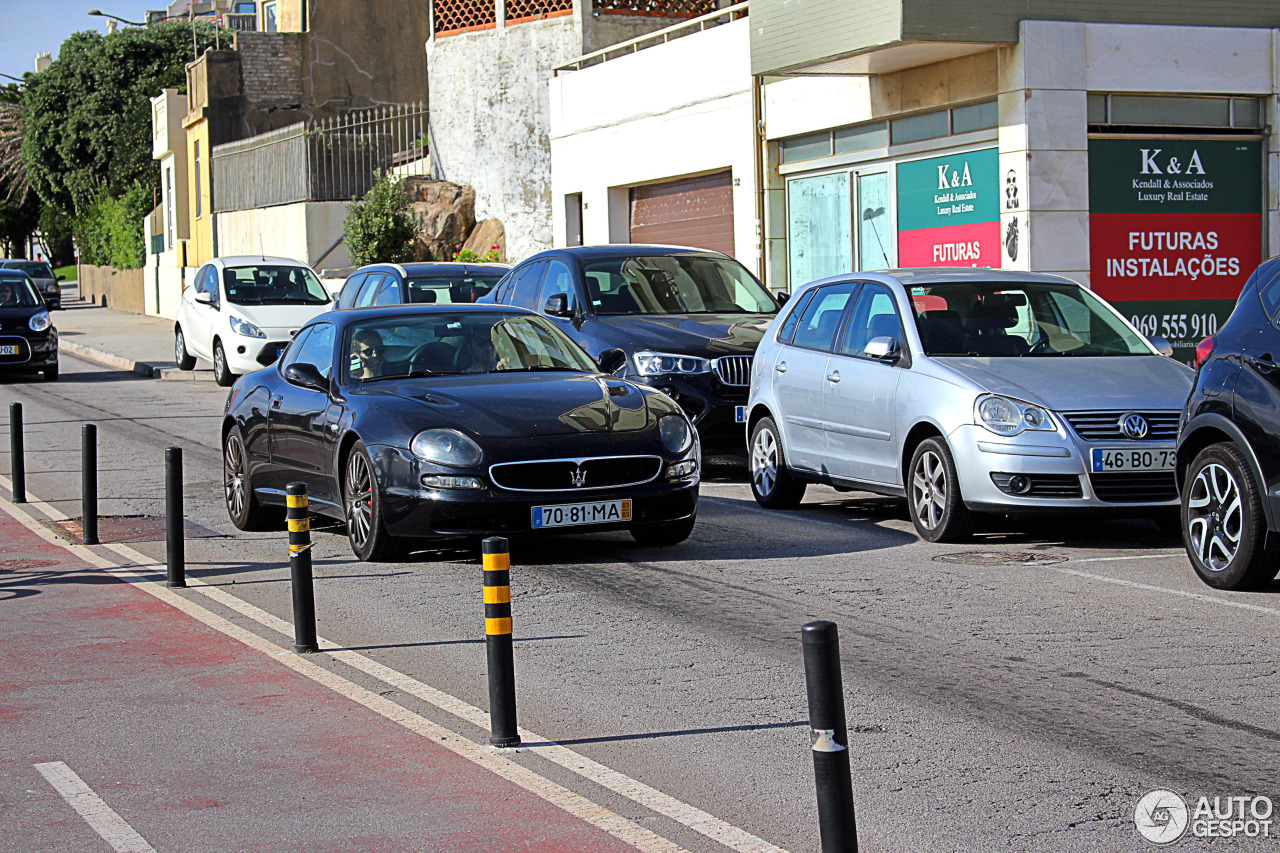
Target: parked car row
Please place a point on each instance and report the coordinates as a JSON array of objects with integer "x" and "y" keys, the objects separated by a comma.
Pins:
[{"x": 581, "y": 388}]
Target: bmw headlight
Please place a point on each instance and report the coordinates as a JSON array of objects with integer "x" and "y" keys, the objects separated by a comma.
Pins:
[
  {"x": 39, "y": 322},
  {"x": 662, "y": 364},
  {"x": 445, "y": 447},
  {"x": 1006, "y": 416},
  {"x": 675, "y": 432},
  {"x": 240, "y": 327}
]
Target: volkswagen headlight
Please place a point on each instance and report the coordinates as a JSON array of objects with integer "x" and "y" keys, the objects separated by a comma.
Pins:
[
  {"x": 675, "y": 432},
  {"x": 662, "y": 364},
  {"x": 39, "y": 322},
  {"x": 445, "y": 447},
  {"x": 240, "y": 327},
  {"x": 1006, "y": 416}
]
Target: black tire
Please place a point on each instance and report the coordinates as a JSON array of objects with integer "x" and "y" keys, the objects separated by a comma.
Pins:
[
  {"x": 772, "y": 484},
  {"x": 243, "y": 507},
  {"x": 670, "y": 533},
  {"x": 221, "y": 372},
  {"x": 362, "y": 503},
  {"x": 185, "y": 360},
  {"x": 933, "y": 494},
  {"x": 51, "y": 374},
  {"x": 1223, "y": 523}
]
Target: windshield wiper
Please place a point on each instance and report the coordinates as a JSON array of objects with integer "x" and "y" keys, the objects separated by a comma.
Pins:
[{"x": 539, "y": 369}]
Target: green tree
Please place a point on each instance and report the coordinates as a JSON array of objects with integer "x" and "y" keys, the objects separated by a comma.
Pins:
[
  {"x": 381, "y": 227},
  {"x": 19, "y": 208}
]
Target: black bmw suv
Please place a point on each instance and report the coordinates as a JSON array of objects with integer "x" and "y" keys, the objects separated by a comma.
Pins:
[
  {"x": 689, "y": 321},
  {"x": 1228, "y": 464}
]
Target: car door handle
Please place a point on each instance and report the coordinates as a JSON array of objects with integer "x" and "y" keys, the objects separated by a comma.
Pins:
[
  {"x": 276, "y": 401},
  {"x": 1263, "y": 363},
  {"x": 781, "y": 367},
  {"x": 833, "y": 377}
]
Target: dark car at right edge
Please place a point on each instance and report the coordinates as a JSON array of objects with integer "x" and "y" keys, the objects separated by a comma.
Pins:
[{"x": 1228, "y": 464}]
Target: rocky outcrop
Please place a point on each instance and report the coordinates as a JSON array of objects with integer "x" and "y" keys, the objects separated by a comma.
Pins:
[
  {"x": 446, "y": 216},
  {"x": 487, "y": 236}
]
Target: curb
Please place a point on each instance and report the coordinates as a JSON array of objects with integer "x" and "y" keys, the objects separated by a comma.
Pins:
[{"x": 110, "y": 359}]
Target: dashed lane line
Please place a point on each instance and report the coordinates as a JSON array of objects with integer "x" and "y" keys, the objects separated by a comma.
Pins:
[
  {"x": 692, "y": 817},
  {"x": 1211, "y": 599},
  {"x": 104, "y": 820}
]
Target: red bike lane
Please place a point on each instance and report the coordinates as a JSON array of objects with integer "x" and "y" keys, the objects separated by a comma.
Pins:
[{"x": 199, "y": 742}]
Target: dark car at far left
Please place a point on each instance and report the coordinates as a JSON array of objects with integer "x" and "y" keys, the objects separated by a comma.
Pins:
[
  {"x": 47, "y": 284},
  {"x": 28, "y": 340},
  {"x": 422, "y": 421}
]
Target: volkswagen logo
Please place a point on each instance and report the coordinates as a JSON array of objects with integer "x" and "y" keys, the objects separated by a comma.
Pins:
[
  {"x": 578, "y": 476},
  {"x": 1134, "y": 426}
]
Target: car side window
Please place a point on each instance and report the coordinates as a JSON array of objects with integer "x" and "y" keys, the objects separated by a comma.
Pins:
[
  {"x": 874, "y": 316},
  {"x": 527, "y": 285},
  {"x": 211, "y": 287},
  {"x": 369, "y": 290},
  {"x": 557, "y": 280},
  {"x": 351, "y": 289},
  {"x": 390, "y": 292},
  {"x": 316, "y": 350},
  {"x": 1269, "y": 290},
  {"x": 294, "y": 348},
  {"x": 821, "y": 317},
  {"x": 502, "y": 290},
  {"x": 793, "y": 318}
]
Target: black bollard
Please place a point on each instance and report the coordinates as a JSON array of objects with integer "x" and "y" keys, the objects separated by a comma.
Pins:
[
  {"x": 829, "y": 737},
  {"x": 17, "y": 457},
  {"x": 89, "y": 485},
  {"x": 174, "y": 535},
  {"x": 304, "y": 597},
  {"x": 497, "y": 642}
]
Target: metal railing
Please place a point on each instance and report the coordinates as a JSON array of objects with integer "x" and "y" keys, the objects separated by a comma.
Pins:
[
  {"x": 335, "y": 159},
  {"x": 703, "y": 22},
  {"x": 240, "y": 21}
]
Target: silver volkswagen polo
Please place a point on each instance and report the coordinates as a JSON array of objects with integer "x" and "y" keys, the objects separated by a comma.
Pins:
[{"x": 965, "y": 391}]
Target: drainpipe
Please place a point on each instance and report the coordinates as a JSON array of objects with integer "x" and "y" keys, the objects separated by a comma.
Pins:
[{"x": 757, "y": 159}]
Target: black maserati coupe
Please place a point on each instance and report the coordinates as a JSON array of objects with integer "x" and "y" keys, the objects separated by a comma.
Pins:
[{"x": 451, "y": 420}]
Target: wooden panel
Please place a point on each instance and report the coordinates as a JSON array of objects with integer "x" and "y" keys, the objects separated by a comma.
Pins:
[{"x": 689, "y": 212}]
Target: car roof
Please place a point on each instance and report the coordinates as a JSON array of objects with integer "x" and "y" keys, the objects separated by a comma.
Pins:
[
  {"x": 12, "y": 273},
  {"x": 347, "y": 316},
  {"x": 250, "y": 260},
  {"x": 922, "y": 276},
  {"x": 438, "y": 267},
  {"x": 639, "y": 250}
]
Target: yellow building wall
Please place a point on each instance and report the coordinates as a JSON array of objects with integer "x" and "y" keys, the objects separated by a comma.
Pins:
[{"x": 199, "y": 183}]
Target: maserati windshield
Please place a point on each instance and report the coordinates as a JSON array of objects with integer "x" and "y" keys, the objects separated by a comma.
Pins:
[{"x": 1028, "y": 319}]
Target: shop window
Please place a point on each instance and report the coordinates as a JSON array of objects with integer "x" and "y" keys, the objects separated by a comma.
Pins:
[
  {"x": 975, "y": 117},
  {"x": 1246, "y": 112},
  {"x": 918, "y": 127},
  {"x": 1170, "y": 112},
  {"x": 862, "y": 137},
  {"x": 875, "y": 232},
  {"x": 806, "y": 147},
  {"x": 819, "y": 227}
]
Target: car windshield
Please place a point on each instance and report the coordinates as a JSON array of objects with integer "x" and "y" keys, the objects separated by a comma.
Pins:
[
  {"x": 35, "y": 269},
  {"x": 269, "y": 284},
  {"x": 17, "y": 292},
  {"x": 457, "y": 343},
  {"x": 674, "y": 284},
  {"x": 440, "y": 289},
  {"x": 1028, "y": 319}
]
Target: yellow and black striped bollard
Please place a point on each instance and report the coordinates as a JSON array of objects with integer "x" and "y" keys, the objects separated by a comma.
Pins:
[
  {"x": 304, "y": 598},
  {"x": 497, "y": 641}
]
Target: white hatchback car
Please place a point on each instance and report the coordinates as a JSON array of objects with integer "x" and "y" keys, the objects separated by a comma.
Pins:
[{"x": 241, "y": 312}]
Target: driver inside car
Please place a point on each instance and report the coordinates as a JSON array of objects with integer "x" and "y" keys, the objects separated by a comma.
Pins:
[{"x": 368, "y": 354}]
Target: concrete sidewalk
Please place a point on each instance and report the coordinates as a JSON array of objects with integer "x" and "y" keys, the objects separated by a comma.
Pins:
[
  {"x": 123, "y": 340},
  {"x": 165, "y": 734}
]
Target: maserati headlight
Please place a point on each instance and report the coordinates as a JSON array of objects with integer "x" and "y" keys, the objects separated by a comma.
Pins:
[
  {"x": 445, "y": 447},
  {"x": 39, "y": 322},
  {"x": 1006, "y": 416},
  {"x": 662, "y": 364},
  {"x": 675, "y": 432},
  {"x": 240, "y": 327}
]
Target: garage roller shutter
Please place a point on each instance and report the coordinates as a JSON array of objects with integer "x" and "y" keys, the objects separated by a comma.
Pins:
[{"x": 688, "y": 212}]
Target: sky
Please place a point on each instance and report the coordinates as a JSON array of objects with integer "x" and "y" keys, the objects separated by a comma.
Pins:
[{"x": 28, "y": 27}]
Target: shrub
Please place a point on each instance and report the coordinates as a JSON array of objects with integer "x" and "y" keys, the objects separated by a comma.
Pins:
[
  {"x": 380, "y": 228},
  {"x": 109, "y": 230},
  {"x": 467, "y": 256}
]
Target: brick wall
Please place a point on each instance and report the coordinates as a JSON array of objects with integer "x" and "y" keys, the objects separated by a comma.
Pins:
[{"x": 271, "y": 66}]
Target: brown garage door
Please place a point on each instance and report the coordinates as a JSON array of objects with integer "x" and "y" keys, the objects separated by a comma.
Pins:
[{"x": 688, "y": 212}]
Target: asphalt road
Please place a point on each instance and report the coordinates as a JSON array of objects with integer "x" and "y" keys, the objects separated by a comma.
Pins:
[{"x": 1023, "y": 706}]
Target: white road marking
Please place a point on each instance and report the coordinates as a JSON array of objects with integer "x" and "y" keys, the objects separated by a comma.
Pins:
[
  {"x": 575, "y": 804},
  {"x": 1120, "y": 559},
  {"x": 1211, "y": 599},
  {"x": 100, "y": 816}
]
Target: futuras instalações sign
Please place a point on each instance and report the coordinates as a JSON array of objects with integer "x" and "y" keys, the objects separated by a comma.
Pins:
[{"x": 1175, "y": 229}]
